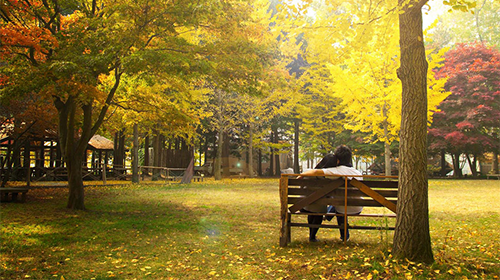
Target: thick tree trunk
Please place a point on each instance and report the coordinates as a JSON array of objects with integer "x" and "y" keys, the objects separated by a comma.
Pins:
[
  {"x": 411, "y": 237},
  {"x": 75, "y": 182},
  {"x": 296, "y": 167},
  {"x": 457, "y": 169}
]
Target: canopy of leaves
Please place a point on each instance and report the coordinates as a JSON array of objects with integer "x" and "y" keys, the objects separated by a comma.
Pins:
[{"x": 469, "y": 119}]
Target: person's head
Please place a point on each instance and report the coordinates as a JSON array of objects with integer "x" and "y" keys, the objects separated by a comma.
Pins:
[
  {"x": 330, "y": 160},
  {"x": 344, "y": 155}
]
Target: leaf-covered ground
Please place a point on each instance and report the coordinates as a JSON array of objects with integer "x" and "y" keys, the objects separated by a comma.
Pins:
[{"x": 230, "y": 230}]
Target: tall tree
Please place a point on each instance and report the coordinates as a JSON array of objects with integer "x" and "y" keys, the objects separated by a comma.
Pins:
[{"x": 411, "y": 237}]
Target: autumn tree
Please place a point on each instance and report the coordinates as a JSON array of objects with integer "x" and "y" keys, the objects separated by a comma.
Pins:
[
  {"x": 411, "y": 237},
  {"x": 469, "y": 119},
  {"x": 77, "y": 53}
]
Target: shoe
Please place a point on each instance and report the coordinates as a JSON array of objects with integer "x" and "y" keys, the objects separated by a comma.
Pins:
[
  {"x": 313, "y": 240},
  {"x": 341, "y": 229}
]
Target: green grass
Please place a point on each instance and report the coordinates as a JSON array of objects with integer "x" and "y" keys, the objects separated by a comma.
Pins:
[{"x": 230, "y": 230}]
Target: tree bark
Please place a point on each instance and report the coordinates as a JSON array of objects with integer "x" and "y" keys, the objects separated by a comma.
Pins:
[
  {"x": 457, "y": 169},
  {"x": 411, "y": 237}
]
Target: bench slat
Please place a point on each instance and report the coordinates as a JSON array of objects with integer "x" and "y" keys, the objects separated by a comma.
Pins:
[
  {"x": 340, "y": 202},
  {"x": 336, "y": 226},
  {"x": 322, "y": 182},
  {"x": 315, "y": 195},
  {"x": 341, "y": 191}
]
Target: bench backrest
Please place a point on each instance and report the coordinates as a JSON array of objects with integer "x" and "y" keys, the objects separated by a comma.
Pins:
[{"x": 369, "y": 192}]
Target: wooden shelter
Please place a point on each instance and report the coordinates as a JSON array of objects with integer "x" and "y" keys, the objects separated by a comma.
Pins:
[{"x": 40, "y": 158}]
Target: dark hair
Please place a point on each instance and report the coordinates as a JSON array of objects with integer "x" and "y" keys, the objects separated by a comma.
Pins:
[
  {"x": 329, "y": 160},
  {"x": 344, "y": 155}
]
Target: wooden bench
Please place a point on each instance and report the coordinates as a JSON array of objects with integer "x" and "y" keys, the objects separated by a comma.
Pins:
[
  {"x": 492, "y": 175},
  {"x": 377, "y": 192},
  {"x": 11, "y": 194}
]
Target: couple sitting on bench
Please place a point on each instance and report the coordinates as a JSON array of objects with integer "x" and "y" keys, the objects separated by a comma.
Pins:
[{"x": 339, "y": 163}]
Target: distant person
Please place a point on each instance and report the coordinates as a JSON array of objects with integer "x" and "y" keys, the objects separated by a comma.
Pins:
[{"x": 343, "y": 166}]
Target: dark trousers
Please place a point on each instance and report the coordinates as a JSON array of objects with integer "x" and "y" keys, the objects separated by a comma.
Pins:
[
  {"x": 341, "y": 221},
  {"x": 315, "y": 220}
]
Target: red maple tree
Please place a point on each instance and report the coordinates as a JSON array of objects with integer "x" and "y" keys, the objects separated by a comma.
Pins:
[{"x": 469, "y": 119}]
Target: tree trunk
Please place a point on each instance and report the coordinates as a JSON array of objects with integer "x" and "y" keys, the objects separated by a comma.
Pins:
[
  {"x": 387, "y": 158},
  {"x": 218, "y": 158},
  {"x": 259, "y": 165},
  {"x": 443, "y": 163},
  {"x": 75, "y": 182},
  {"x": 457, "y": 169},
  {"x": 157, "y": 151},
  {"x": 277, "y": 155},
  {"x": 250, "y": 151},
  {"x": 387, "y": 147},
  {"x": 472, "y": 164},
  {"x": 411, "y": 237},
  {"x": 145, "y": 171},
  {"x": 296, "y": 167},
  {"x": 135, "y": 156},
  {"x": 495, "y": 162},
  {"x": 225, "y": 156},
  {"x": 271, "y": 158},
  {"x": 189, "y": 174}
]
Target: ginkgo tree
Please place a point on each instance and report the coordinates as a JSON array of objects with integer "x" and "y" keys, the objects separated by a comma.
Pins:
[{"x": 371, "y": 93}]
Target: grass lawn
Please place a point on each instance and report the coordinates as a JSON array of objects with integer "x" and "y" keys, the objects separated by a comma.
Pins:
[{"x": 230, "y": 230}]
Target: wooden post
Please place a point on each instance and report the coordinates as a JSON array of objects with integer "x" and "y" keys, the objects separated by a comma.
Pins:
[
  {"x": 104, "y": 173},
  {"x": 285, "y": 233},
  {"x": 345, "y": 210}
]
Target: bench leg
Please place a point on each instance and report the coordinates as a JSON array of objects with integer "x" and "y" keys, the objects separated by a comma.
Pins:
[
  {"x": 23, "y": 197},
  {"x": 14, "y": 197},
  {"x": 285, "y": 232}
]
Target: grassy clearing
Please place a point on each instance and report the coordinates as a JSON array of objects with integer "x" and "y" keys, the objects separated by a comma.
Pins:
[{"x": 229, "y": 230}]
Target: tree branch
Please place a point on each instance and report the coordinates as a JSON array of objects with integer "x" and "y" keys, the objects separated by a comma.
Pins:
[{"x": 107, "y": 103}]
